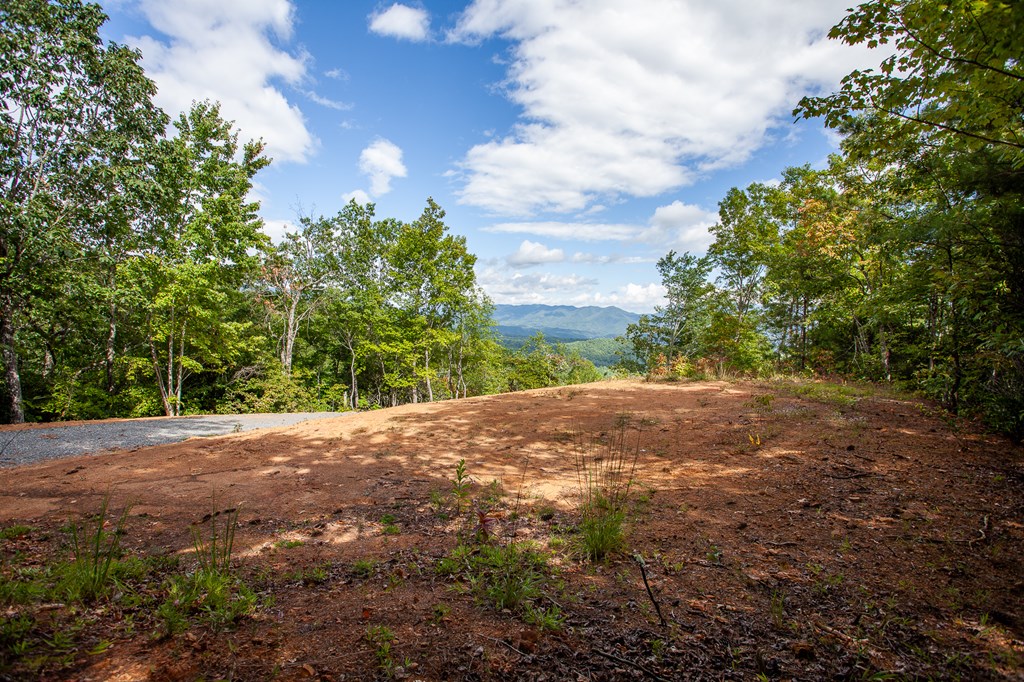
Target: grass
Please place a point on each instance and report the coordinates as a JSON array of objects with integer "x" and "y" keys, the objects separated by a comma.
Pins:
[
  {"x": 381, "y": 637},
  {"x": 364, "y": 568},
  {"x": 389, "y": 525},
  {"x": 212, "y": 594},
  {"x": 506, "y": 577},
  {"x": 13, "y": 532},
  {"x": 214, "y": 552},
  {"x": 96, "y": 551},
  {"x": 605, "y": 474}
]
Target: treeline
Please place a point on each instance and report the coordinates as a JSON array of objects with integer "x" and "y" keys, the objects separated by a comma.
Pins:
[
  {"x": 135, "y": 278},
  {"x": 903, "y": 260}
]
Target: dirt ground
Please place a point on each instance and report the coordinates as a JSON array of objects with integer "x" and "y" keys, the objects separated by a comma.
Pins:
[{"x": 787, "y": 532}]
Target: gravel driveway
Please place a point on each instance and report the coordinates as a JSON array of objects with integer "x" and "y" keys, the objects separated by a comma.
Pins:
[{"x": 36, "y": 444}]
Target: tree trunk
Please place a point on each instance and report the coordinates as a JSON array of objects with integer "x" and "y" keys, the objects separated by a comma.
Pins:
[
  {"x": 430, "y": 389},
  {"x": 290, "y": 332},
  {"x": 111, "y": 340},
  {"x": 12, "y": 379}
]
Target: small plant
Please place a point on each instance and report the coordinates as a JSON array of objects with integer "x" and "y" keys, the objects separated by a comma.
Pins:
[
  {"x": 364, "y": 568},
  {"x": 12, "y": 532},
  {"x": 96, "y": 552},
  {"x": 508, "y": 576},
  {"x": 214, "y": 554},
  {"x": 381, "y": 638},
  {"x": 388, "y": 525},
  {"x": 605, "y": 474},
  {"x": 288, "y": 544},
  {"x": 545, "y": 619},
  {"x": 216, "y": 598},
  {"x": 438, "y": 501},
  {"x": 439, "y": 613},
  {"x": 460, "y": 486},
  {"x": 778, "y": 609}
]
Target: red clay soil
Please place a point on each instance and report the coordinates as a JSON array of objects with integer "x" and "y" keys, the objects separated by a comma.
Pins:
[{"x": 789, "y": 532}]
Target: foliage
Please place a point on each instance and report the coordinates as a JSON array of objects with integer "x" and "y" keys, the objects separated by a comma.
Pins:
[
  {"x": 96, "y": 552},
  {"x": 506, "y": 576},
  {"x": 606, "y": 468},
  {"x": 214, "y": 553},
  {"x": 69, "y": 170}
]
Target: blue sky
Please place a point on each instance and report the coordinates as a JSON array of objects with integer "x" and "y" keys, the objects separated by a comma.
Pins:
[{"x": 572, "y": 142}]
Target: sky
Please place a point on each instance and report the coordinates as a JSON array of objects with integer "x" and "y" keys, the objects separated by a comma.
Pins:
[{"x": 573, "y": 143}]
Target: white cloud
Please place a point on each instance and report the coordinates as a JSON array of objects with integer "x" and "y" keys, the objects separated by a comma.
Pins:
[
  {"x": 276, "y": 229},
  {"x": 532, "y": 253},
  {"x": 580, "y": 231},
  {"x": 611, "y": 259},
  {"x": 640, "y": 298},
  {"x": 401, "y": 21},
  {"x": 622, "y": 99},
  {"x": 224, "y": 51},
  {"x": 337, "y": 74},
  {"x": 326, "y": 102},
  {"x": 679, "y": 226},
  {"x": 381, "y": 162},
  {"x": 359, "y": 195},
  {"x": 521, "y": 287}
]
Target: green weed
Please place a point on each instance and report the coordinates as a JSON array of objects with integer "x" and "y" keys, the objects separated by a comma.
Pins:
[
  {"x": 382, "y": 637},
  {"x": 12, "y": 532},
  {"x": 364, "y": 568},
  {"x": 96, "y": 551},
  {"x": 606, "y": 469},
  {"x": 460, "y": 486},
  {"x": 214, "y": 553}
]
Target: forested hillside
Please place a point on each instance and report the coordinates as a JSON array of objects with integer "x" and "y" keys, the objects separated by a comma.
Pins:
[{"x": 901, "y": 260}]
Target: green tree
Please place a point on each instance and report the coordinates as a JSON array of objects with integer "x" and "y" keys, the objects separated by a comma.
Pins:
[
  {"x": 944, "y": 114},
  {"x": 74, "y": 114},
  {"x": 678, "y": 328},
  {"x": 201, "y": 251},
  {"x": 297, "y": 275}
]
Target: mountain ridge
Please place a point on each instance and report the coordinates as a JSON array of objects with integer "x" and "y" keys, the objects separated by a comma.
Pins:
[{"x": 562, "y": 321}]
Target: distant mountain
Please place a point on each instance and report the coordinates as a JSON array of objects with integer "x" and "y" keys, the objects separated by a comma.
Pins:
[{"x": 562, "y": 322}]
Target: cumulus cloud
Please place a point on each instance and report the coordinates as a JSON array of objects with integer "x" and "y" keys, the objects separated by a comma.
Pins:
[
  {"x": 228, "y": 51},
  {"x": 542, "y": 287},
  {"x": 401, "y": 21},
  {"x": 621, "y": 99},
  {"x": 276, "y": 229},
  {"x": 381, "y": 161},
  {"x": 533, "y": 253},
  {"x": 679, "y": 226},
  {"x": 359, "y": 195},
  {"x": 580, "y": 231},
  {"x": 639, "y": 298},
  {"x": 683, "y": 227}
]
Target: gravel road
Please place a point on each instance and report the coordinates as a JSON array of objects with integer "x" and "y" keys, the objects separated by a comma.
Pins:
[{"x": 36, "y": 444}]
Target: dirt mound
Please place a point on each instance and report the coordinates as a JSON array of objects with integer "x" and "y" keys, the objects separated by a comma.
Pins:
[{"x": 791, "y": 531}]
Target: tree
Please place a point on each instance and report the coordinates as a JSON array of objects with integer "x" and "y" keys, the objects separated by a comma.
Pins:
[
  {"x": 677, "y": 329},
  {"x": 434, "y": 283},
  {"x": 201, "y": 250},
  {"x": 945, "y": 109},
  {"x": 297, "y": 275},
  {"x": 74, "y": 114},
  {"x": 957, "y": 70}
]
